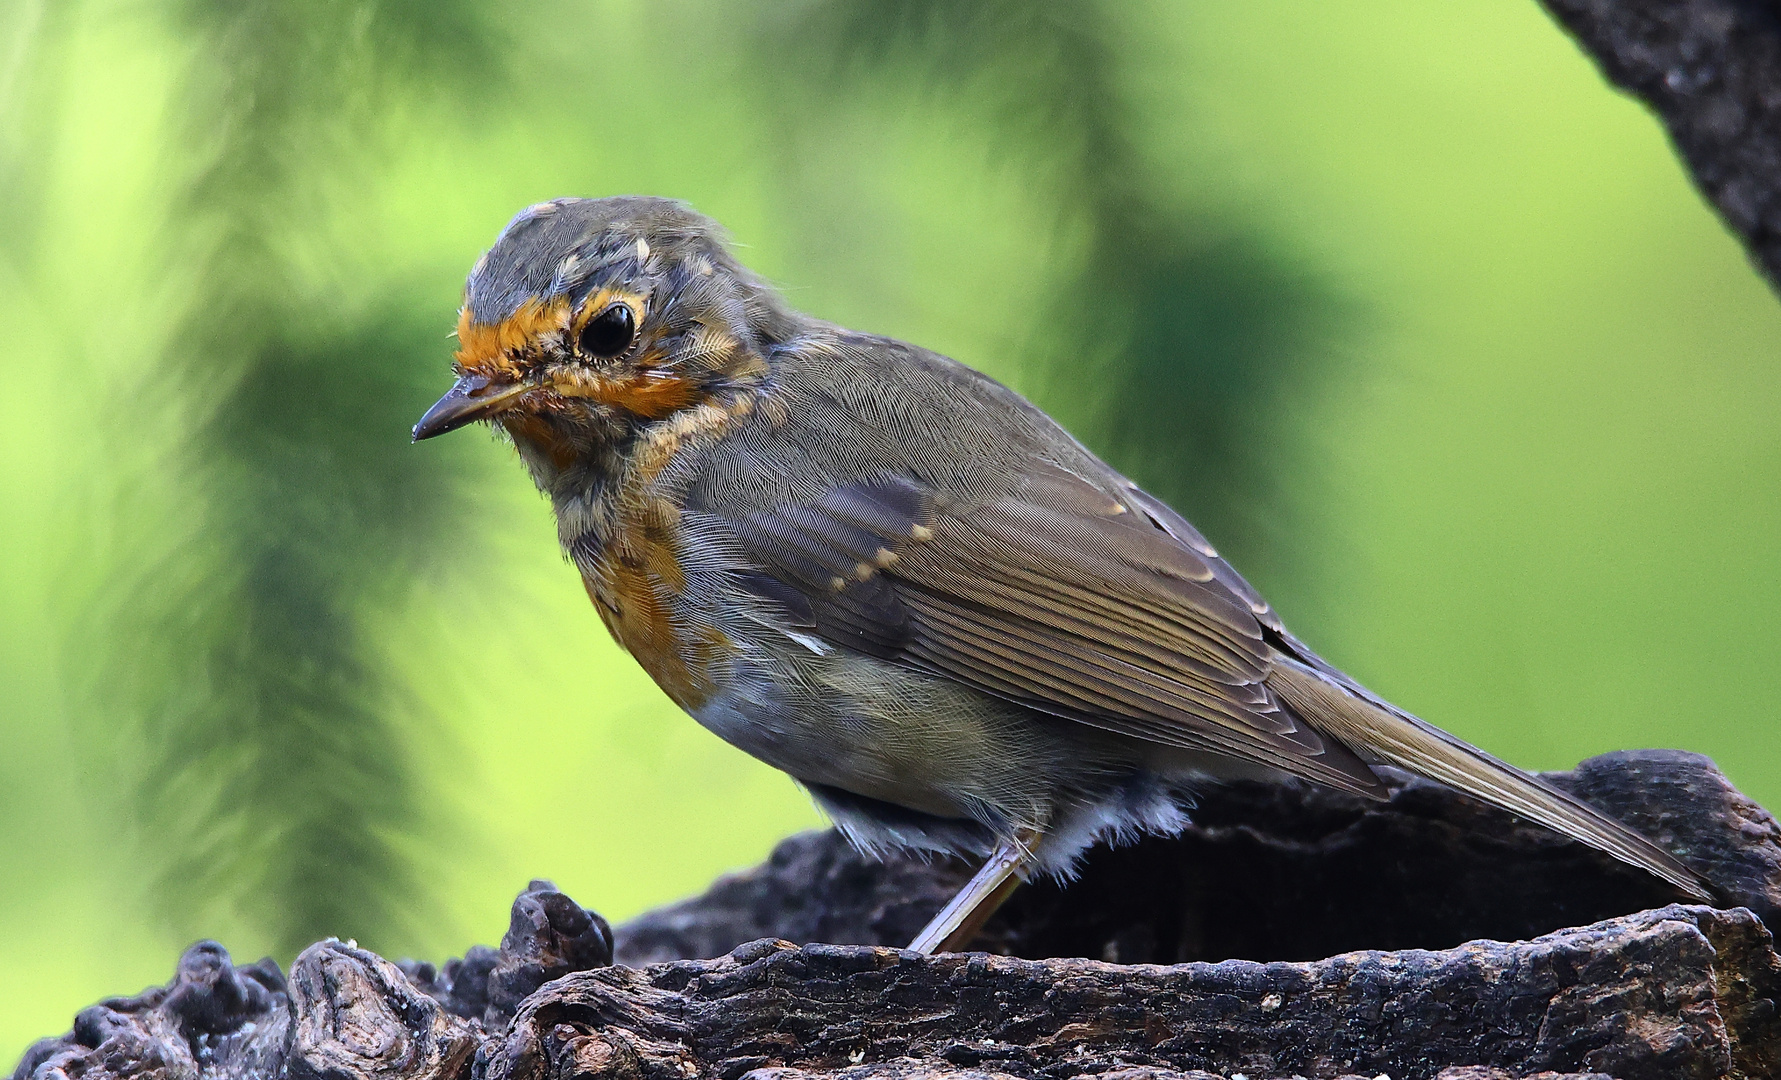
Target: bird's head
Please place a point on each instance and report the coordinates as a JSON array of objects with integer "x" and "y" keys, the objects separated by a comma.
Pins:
[{"x": 590, "y": 318}]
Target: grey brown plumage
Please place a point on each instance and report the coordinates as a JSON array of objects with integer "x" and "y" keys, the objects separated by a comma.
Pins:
[{"x": 896, "y": 579}]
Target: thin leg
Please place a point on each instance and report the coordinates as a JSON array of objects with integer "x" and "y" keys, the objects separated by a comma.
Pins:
[{"x": 965, "y": 914}]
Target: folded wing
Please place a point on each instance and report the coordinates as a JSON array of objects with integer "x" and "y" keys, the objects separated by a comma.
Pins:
[{"x": 1107, "y": 610}]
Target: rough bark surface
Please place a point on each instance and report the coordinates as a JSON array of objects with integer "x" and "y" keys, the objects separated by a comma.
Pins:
[
  {"x": 1712, "y": 71},
  {"x": 1648, "y": 996},
  {"x": 1274, "y": 873},
  {"x": 1670, "y": 992}
]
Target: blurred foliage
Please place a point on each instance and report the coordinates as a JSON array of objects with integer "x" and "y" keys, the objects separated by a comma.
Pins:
[
  {"x": 1176, "y": 333},
  {"x": 1421, "y": 324},
  {"x": 275, "y": 776}
]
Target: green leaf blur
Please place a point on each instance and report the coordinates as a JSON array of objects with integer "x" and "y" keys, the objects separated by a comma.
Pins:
[{"x": 1418, "y": 320}]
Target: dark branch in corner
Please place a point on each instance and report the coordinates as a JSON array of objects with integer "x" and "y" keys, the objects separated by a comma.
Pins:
[{"x": 1711, "y": 69}]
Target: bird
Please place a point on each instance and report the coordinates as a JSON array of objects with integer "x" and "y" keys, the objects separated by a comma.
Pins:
[{"x": 895, "y": 579}]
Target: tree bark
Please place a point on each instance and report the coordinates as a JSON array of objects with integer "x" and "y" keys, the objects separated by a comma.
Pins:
[
  {"x": 1647, "y": 989},
  {"x": 1711, "y": 70}
]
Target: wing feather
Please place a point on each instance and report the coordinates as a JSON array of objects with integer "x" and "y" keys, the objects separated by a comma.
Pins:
[
  {"x": 1057, "y": 595},
  {"x": 1007, "y": 557}
]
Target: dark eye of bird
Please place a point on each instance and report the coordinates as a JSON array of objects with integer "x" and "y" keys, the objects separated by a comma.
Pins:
[{"x": 609, "y": 333}]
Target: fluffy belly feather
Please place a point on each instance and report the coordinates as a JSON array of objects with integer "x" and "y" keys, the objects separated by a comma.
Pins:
[{"x": 885, "y": 732}]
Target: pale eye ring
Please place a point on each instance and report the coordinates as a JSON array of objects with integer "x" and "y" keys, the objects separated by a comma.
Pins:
[{"x": 609, "y": 333}]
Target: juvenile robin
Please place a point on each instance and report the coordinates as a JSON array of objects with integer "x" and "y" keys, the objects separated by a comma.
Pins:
[{"x": 893, "y": 578}]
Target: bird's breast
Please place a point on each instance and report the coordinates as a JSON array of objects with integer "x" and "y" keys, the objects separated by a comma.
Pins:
[
  {"x": 633, "y": 574},
  {"x": 627, "y": 542}
]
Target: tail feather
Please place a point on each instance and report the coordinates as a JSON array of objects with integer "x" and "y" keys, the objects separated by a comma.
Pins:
[{"x": 1397, "y": 738}]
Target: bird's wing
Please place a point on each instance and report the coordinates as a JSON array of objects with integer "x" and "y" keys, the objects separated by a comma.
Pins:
[
  {"x": 1107, "y": 609},
  {"x": 1111, "y": 610}
]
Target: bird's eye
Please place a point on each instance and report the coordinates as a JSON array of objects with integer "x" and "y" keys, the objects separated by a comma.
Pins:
[{"x": 609, "y": 333}]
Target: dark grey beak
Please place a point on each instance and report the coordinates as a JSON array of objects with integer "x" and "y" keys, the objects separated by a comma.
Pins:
[{"x": 471, "y": 398}]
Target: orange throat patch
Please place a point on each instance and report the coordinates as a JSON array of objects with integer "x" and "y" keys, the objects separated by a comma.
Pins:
[
  {"x": 541, "y": 435},
  {"x": 631, "y": 603}
]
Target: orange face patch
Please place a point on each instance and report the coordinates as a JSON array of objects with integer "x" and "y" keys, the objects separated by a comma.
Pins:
[
  {"x": 489, "y": 348},
  {"x": 648, "y": 394},
  {"x": 494, "y": 351}
]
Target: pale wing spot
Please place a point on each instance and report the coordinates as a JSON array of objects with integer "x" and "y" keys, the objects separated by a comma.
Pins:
[{"x": 809, "y": 641}]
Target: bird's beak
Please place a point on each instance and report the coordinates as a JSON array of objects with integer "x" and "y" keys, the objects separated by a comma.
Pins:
[{"x": 472, "y": 397}]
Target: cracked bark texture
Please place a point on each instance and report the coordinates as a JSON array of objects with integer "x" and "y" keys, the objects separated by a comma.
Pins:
[
  {"x": 1271, "y": 872},
  {"x": 1711, "y": 70},
  {"x": 1647, "y": 989}
]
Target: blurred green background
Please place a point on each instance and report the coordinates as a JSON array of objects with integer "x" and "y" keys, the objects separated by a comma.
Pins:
[{"x": 1421, "y": 322}]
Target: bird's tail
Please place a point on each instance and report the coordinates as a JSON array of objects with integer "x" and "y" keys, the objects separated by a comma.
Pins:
[{"x": 1377, "y": 730}]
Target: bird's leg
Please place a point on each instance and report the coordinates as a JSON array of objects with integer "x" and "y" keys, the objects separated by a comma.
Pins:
[{"x": 965, "y": 914}]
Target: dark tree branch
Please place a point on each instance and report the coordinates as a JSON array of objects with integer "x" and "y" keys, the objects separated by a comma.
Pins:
[{"x": 1711, "y": 69}]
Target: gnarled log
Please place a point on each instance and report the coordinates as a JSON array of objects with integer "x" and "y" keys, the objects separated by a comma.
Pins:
[{"x": 1673, "y": 991}]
